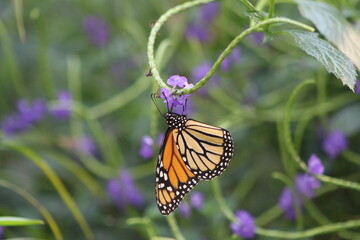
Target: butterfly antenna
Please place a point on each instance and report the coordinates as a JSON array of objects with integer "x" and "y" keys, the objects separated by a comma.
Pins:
[{"x": 153, "y": 98}]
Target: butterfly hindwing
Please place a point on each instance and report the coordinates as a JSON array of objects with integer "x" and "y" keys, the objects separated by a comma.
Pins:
[
  {"x": 206, "y": 149},
  {"x": 173, "y": 178}
]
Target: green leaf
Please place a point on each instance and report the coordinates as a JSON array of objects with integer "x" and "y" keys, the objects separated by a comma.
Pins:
[
  {"x": 334, "y": 61},
  {"x": 334, "y": 27},
  {"x": 18, "y": 221}
]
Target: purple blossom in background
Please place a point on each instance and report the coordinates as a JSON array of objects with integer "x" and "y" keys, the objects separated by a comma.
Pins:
[
  {"x": 177, "y": 81},
  {"x": 197, "y": 200},
  {"x": 245, "y": 227},
  {"x": 2, "y": 230},
  {"x": 306, "y": 185},
  {"x": 146, "y": 150},
  {"x": 357, "y": 87},
  {"x": 286, "y": 203},
  {"x": 97, "y": 30},
  {"x": 209, "y": 12},
  {"x": 86, "y": 145},
  {"x": 62, "y": 109},
  {"x": 334, "y": 143},
  {"x": 124, "y": 192},
  {"x": 160, "y": 139},
  {"x": 28, "y": 114},
  {"x": 257, "y": 37},
  {"x": 198, "y": 32},
  {"x": 14, "y": 124},
  {"x": 200, "y": 71},
  {"x": 31, "y": 113},
  {"x": 233, "y": 57},
  {"x": 185, "y": 209},
  {"x": 315, "y": 166}
]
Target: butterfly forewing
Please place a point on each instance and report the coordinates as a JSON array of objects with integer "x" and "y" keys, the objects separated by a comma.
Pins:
[{"x": 173, "y": 179}]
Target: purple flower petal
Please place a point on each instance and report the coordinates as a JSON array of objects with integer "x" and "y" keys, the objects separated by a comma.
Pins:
[
  {"x": 315, "y": 165},
  {"x": 209, "y": 12},
  {"x": 97, "y": 30},
  {"x": 306, "y": 185},
  {"x": 197, "y": 200},
  {"x": 233, "y": 57},
  {"x": 146, "y": 150},
  {"x": 198, "y": 32},
  {"x": 14, "y": 124},
  {"x": 257, "y": 37},
  {"x": 177, "y": 81},
  {"x": 124, "y": 192},
  {"x": 357, "y": 88},
  {"x": 286, "y": 203},
  {"x": 334, "y": 143},
  {"x": 32, "y": 113},
  {"x": 62, "y": 110},
  {"x": 245, "y": 227},
  {"x": 185, "y": 209},
  {"x": 86, "y": 145}
]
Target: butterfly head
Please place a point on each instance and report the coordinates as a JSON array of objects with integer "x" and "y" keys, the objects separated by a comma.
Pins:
[{"x": 175, "y": 120}]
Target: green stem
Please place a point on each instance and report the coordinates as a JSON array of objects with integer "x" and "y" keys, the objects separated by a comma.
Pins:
[
  {"x": 221, "y": 201},
  {"x": 271, "y": 8},
  {"x": 163, "y": 18},
  {"x": 174, "y": 227},
  {"x": 310, "y": 232},
  {"x": 18, "y": 6}
]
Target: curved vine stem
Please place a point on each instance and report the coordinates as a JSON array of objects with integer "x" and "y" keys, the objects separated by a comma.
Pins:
[{"x": 163, "y": 18}]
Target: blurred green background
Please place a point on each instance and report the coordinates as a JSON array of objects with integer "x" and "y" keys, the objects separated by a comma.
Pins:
[{"x": 96, "y": 51}]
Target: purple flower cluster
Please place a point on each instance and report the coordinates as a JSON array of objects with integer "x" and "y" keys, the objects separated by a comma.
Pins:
[
  {"x": 27, "y": 115},
  {"x": 2, "y": 230},
  {"x": 196, "y": 202},
  {"x": 334, "y": 143},
  {"x": 305, "y": 186},
  {"x": 97, "y": 30},
  {"x": 200, "y": 30},
  {"x": 244, "y": 226},
  {"x": 146, "y": 150},
  {"x": 30, "y": 113},
  {"x": 175, "y": 101},
  {"x": 257, "y": 37},
  {"x": 124, "y": 192}
]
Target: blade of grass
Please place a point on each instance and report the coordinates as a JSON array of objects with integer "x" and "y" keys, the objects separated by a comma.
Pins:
[
  {"x": 57, "y": 183},
  {"x": 44, "y": 212}
]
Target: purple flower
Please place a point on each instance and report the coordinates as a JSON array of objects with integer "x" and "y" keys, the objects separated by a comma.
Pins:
[
  {"x": 257, "y": 37},
  {"x": 124, "y": 192},
  {"x": 357, "y": 88},
  {"x": 198, "y": 32},
  {"x": 14, "y": 124},
  {"x": 197, "y": 200},
  {"x": 177, "y": 80},
  {"x": 315, "y": 166},
  {"x": 200, "y": 72},
  {"x": 160, "y": 139},
  {"x": 97, "y": 30},
  {"x": 185, "y": 209},
  {"x": 146, "y": 150},
  {"x": 28, "y": 114},
  {"x": 306, "y": 185},
  {"x": 2, "y": 230},
  {"x": 86, "y": 146},
  {"x": 232, "y": 58},
  {"x": 286, "y": 203},
  {"x": 62, "y": 109},
  {"x": 209, "y": 12},
  {"x": 244, "y": 226},
  {"x": 334, "y": 143},
  {"x": 31, "y": 113}
]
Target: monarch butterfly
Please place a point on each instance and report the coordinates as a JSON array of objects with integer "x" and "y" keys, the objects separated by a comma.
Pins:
[{"x": 191, "y": 151}]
